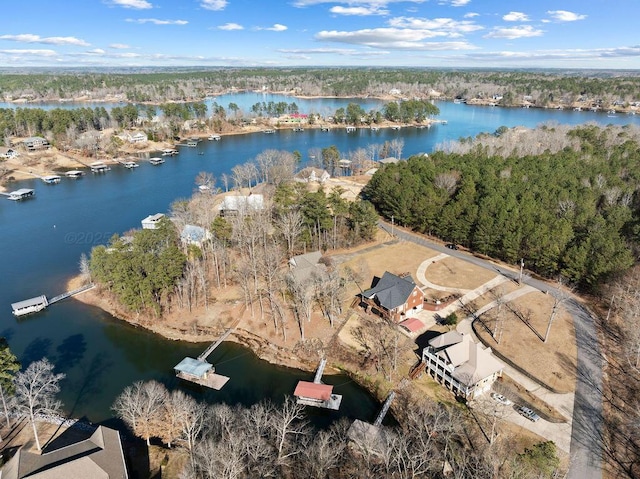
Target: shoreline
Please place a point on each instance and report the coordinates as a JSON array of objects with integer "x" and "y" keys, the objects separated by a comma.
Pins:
[{"x": 258, "y": 345}]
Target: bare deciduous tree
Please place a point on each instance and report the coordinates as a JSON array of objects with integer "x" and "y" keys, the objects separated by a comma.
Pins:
[
  {"x": 36, "y": 390},
  {"x": 140, "y": 407}
]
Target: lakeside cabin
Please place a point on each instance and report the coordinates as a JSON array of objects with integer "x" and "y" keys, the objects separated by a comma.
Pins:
[
  {"x": 21, "y": 194},
  {"x": 31, "y": 305}
]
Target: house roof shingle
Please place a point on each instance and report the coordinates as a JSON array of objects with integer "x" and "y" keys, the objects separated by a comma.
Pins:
[{"x": 391, "y": 290}]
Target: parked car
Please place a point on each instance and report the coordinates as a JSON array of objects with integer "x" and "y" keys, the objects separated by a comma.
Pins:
[
  {"x": 501, "y": 399},
  {"x": 451, "y": 246},
  {"x": 528, "y": 413}
]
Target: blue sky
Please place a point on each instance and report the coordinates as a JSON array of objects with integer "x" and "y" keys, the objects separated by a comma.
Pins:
[{"x": 414, "y": 33}]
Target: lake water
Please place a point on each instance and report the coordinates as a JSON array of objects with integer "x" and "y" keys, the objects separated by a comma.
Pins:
[{"x": 43, "y": 238}]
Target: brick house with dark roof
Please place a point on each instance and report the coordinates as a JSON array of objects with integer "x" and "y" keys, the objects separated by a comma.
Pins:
[{"x": 393, "y": 297}]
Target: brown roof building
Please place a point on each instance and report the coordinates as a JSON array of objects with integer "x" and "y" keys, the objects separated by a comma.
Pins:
[{"x": 98, "y": 457}]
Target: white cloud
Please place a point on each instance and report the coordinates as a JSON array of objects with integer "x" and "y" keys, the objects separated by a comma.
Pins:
[
  {"x": 230, "y": 27},
  {"x": 96, "y": 51},
  {"x": 454, "y": 3},
  {"x": 392, "y": 38},
  {"x": 471, "y": 15},
  {"x": 360, "y": 11},
  {"x": 511, "y": 33},
  {"x": 355, "y": 3},
  {"x": 136, "y": 4},
  {"x": 305, "y": 52},
  {"x": 213, "y": 4},
  {"x": 564, "y": 16},
  {"x": 119, "y": 46},
  {"x": 437, "y": 26},
  {"x": 31, "y": 38},
  {"x": 277, "y": 27},
  {"x": 516, "y": 17},
  {"x": 26, "y": 51},
  {"x": 155, "y": 21}
]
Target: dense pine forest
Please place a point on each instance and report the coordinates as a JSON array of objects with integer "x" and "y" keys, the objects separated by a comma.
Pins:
[{"x": 564, "y": 200}]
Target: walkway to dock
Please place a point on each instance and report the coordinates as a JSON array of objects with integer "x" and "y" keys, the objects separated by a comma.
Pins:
[
  {"x": 68, "y": 294},
  {"x": 214, "y": 345}
]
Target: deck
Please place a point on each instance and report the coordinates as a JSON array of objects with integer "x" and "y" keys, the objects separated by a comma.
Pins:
[{"x": 212, "y": 380}]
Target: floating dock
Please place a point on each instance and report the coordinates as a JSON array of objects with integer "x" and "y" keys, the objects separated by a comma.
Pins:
[
  {"x": 201, "y": 372},
  {"x": 316, "y": 393}
]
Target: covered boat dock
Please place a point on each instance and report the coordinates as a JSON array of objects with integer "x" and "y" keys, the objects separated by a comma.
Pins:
[
  {"x": 200, "y": 372},
  {"x": 31, "y": 305}
]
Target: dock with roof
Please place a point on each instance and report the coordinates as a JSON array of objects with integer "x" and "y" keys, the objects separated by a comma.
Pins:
[
  {"x": 316, "y": 393},
  {"x": 199, "y": 370}
]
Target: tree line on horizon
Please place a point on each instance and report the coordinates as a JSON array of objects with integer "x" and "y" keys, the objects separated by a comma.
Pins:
[{"x": 168, "y": 85}]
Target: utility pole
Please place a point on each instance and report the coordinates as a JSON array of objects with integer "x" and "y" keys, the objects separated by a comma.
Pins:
[
  {"x": 391, "y": 225},
  {"x": 521, "y": 269}
]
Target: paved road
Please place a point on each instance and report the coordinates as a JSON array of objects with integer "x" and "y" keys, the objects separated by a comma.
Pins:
[{"x": 587, "y": 430}]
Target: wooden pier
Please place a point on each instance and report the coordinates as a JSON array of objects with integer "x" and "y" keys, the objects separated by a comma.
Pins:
[{"x": 200, "y": 371}]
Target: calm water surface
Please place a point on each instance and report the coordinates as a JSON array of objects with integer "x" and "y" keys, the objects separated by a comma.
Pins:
[{"x": 41, "y": 241}]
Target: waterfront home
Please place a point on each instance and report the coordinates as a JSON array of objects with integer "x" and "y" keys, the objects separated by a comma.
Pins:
[
  {"x": 99, "y": 456},
  {"x": 21, "y": 194},
  {"x": 194, "y": 235},
  {"x": 35, "y": 143},
  {"x": 311, "y": 174},
  {"x": 240, "y": 204},
  {"x": 151, "y": 221},
  {"x": 464, "y": 367},
  {"x": 135, "y": 137},
  {"x": 393, "y": 297},
  {"x": 304, "y": 266},
  {"x": 8, "y": 153}
]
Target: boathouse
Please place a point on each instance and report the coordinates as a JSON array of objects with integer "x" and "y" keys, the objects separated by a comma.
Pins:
[
  {"x": 317, "y": 393},
  {"x": 21, "y": 194},
  {"x": 28, "y": 306},
  {"x": 200, "y": 372}
]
